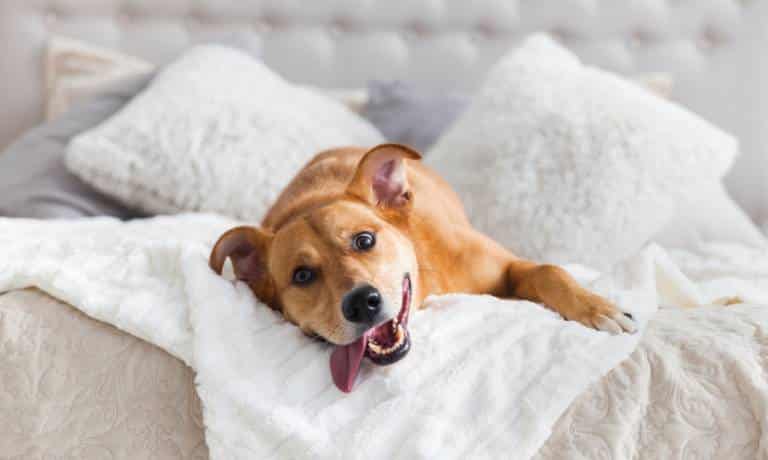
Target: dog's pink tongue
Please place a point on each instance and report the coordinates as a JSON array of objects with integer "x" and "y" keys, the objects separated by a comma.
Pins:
[{"x": 345, "y": 363}]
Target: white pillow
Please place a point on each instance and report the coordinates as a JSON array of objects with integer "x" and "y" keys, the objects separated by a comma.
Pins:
[
  {"x": 562, "y": 162},
  {"x": 216, "y": 131}
]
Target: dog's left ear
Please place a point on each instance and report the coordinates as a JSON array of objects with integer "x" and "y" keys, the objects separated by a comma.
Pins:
[
  {"x": 247, "y": 248},
  {"x": 381, "y": 178}
]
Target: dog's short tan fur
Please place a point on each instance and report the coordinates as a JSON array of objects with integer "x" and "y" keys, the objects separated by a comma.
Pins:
[{"x": 420, "y": 229}]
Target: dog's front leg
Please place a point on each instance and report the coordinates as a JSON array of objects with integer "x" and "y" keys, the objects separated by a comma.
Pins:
[{"x": 555, "y": 288}]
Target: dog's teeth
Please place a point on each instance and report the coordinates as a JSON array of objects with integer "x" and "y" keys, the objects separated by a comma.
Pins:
[{"x": 379, "y": 349}]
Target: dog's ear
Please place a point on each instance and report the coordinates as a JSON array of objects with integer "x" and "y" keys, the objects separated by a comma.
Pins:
[
  {"x": 247, "y": 247},
  {"x": 381, "y": 178}
]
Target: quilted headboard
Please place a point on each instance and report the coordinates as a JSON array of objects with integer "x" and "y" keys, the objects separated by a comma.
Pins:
[{"x": 713, "y": 48}]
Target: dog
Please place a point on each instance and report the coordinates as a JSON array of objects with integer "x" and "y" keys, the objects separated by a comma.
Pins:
[{"x": 361, "y": 236}]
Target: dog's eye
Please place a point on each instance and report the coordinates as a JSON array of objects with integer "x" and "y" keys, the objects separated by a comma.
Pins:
[
  {"x": 364, "y": 241},
  {"x": 303, "y": 275}
]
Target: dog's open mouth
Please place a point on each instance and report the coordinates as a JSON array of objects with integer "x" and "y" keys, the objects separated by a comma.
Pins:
[{"x": 384, "y": 344}]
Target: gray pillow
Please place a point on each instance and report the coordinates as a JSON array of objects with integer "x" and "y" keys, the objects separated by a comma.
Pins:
[
  {"x": 408, "y": 115},
  {"x": 34, "y": 182}
]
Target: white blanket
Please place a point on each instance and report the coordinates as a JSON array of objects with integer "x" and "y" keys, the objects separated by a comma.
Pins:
[{"x": 486, "y": 378}]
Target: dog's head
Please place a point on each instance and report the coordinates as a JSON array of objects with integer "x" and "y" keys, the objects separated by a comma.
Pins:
[{"x": 343, "y": 271}]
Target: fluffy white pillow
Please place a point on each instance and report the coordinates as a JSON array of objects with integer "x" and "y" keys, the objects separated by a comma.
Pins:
[
  {"x": 216, "y": 131},
  {"x": 562, "y": 162}
]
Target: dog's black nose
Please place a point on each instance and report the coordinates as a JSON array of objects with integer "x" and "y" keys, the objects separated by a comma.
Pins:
[{"x": 361, "y": 304}]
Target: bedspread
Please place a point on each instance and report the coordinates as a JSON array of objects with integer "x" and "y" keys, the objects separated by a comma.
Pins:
[
  {"x": 696, "y": 387},
  {"x": 75, "y": 388}
]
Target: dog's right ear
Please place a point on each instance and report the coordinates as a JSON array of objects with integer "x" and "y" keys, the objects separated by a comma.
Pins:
[
  {"x": 247, "y": 247},
  {"x": 381, "y": 177}
]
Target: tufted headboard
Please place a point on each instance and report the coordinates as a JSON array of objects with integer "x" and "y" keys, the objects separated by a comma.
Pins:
[{"x": 713, "y": 48}]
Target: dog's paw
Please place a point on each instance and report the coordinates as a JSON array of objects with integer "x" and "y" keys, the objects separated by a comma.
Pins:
[{"x": 600, "y": 314}]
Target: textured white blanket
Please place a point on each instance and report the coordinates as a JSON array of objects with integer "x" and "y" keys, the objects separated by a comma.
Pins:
[{"x": 486, "y": 378}]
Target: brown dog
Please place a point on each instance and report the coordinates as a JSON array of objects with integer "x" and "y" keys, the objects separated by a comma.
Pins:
[{"x": 359, "y": 235}]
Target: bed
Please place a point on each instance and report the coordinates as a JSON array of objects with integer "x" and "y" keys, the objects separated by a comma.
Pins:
[
  {"x": 134, "y": 400},
  {"x": 80, "y": 388}
]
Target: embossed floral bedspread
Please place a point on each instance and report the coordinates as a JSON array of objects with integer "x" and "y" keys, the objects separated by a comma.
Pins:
[{"x": 697, "y": 385}]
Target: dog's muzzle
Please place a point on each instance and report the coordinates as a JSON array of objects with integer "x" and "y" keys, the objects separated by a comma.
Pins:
[{"x": 384, "y": 344}]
